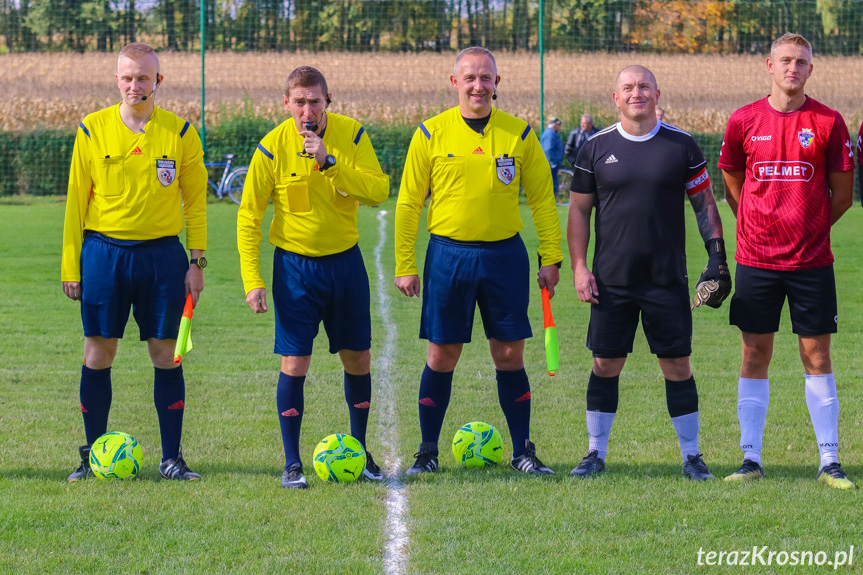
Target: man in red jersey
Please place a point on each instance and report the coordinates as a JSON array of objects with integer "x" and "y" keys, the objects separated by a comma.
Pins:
[
  {"x": 860, "y": 160},
  {"x": 788, "y": 167}
]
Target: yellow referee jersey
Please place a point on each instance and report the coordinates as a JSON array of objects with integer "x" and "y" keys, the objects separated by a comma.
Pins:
[
  {"x": 315, "y": 212},
  {"x": 132, "y": 186},
  {"x": 474, "y": 181}
]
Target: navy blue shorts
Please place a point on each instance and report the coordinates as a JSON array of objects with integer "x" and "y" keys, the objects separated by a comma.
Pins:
[
  {"x": 458, "y": 276},
  {"x": 148, "y": 276},
  {"x": 333, "y": 289},
  {"x": 665, "y": 318},
  {"x": 759, "y": 295}
]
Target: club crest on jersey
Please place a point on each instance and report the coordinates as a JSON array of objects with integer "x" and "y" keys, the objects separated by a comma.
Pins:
[
  {"x": 505, "y": 169},
  {"x": 166, "y": 171},
  {"x": 805, "y": 137}
]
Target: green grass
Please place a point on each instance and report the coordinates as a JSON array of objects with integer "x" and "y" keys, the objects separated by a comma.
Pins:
[{"x": 640, "y": 517}]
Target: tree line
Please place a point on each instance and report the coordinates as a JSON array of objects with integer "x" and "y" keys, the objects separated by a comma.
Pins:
[{"x": 662, "y": 26}]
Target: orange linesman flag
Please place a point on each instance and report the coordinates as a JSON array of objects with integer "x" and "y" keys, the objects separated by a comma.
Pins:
[
  {"x": 184, "y": 339},
  {"x": 552, "y": 347}
]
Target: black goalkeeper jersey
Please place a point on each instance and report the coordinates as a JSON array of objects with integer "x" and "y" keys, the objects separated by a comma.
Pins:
[{"x": 640, "y": 184}]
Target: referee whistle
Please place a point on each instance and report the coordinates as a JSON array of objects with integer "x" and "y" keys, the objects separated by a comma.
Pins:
[{"x": 309, "y": 127}]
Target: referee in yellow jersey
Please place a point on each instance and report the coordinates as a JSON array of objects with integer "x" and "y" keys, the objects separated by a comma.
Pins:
[
  {"x": 473, "y": 159},
  {"x": 314, "y": 167},
  {"x": 137, "y": 178}
]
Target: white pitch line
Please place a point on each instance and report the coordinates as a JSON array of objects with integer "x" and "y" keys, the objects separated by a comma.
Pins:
[{"x": 395, "y": 550}]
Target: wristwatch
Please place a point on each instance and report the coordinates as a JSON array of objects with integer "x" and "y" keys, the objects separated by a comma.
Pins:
[
  {"x": 201, "y": 262},
  {"x": 329, "y": 162}
]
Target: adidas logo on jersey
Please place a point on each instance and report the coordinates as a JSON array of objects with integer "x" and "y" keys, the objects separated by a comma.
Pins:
[
  {"x": 478, "y": 150},
  {"x": 137, "y": 151},
  {"x": 611, "y": 159}
]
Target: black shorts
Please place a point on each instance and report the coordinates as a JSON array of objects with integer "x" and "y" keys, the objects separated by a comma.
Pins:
[
  {"x": 760, "y": 294},
  {"x": 665, "y": 318}
]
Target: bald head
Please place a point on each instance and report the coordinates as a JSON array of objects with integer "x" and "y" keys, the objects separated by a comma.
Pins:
[
  {"x": 635, "y": 71},
  {"x": 635, "y": 95}
]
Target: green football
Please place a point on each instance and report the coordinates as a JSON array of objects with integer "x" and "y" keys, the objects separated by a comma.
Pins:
[
  {"x": 116, "y": 455},
  {"x": 339, "y": 458},
  {"x": 477, "y": 444}
]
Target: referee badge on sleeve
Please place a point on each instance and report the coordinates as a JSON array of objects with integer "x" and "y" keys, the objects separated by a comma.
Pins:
[
  {"x": 166, "y": 171},
  {"x": 505, "y": 169}
]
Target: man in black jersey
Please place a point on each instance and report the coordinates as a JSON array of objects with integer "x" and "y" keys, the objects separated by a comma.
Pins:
[{"x": 637, "y": 173}]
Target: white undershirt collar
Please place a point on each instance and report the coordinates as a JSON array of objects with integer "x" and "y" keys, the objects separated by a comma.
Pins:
[{"x": 643, "y": 138}]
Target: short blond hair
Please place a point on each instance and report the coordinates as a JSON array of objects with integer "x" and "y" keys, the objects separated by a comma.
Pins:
[
  {"x": 790, "y": 38},
  {"x": 137, "y": 50}
]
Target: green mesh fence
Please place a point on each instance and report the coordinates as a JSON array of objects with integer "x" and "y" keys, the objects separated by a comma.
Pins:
[{"x": 388, "y": 61}]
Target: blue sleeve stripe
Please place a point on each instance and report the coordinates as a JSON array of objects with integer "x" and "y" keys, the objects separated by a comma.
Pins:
[
  {"x": 183, "y": 131},
  {"x": 526, "y": 132},
  {"x": 425, "y": 131},
  {"x": 83, "y": 127},
  {"x": 360, "y": 133},
  {"x": 265, "y": 152}
]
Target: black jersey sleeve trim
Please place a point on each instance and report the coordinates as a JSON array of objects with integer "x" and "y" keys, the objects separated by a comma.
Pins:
[
  {"x": 185, "y": 128},
  {"x": 360, "y": 133},
  {"x": 526, "y": 132}
]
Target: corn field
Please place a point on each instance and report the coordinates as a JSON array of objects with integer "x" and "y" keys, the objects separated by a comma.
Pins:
[{"x": 698, "y": 92}]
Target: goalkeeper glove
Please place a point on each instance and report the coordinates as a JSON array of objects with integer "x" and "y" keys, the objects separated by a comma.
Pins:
[{"x": 714, "y": 285}]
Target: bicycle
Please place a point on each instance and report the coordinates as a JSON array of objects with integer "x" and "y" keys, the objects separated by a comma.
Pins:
[
  {"x": 564, "y": 179},
  {"x": 232, "y": 181}
]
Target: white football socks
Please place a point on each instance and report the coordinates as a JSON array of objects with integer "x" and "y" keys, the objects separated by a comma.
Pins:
[
  {"x": 823, "y": 403},
  {"x": 598, "y": 431},
  {"x": 686, "y": 427},
  {"x": 753, "y": 397}
]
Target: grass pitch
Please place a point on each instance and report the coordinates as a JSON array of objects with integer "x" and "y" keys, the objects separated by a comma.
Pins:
[{"x": 642, "y": 516}]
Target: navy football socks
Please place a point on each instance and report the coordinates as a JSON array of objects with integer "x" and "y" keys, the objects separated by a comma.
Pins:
[
  {"x": 290, "y": 404},
  {"x": 95, "y": 395},
  {"x": 513, "y": 392},
  {"x": 358, "y": 395},
  {"x": 169, "y": 395},
  {"x": 435, "y": 390}
]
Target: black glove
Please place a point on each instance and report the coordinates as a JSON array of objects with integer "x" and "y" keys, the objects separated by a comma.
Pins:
[{"x": 714, "y": 285}]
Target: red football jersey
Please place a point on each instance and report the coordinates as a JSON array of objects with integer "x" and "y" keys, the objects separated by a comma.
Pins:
[
  {"x": 784, "y": 216},
  {"x": 860, "y": 145}
]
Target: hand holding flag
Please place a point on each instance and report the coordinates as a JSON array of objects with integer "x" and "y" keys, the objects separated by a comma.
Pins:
[
  {"x": 552, "y": 348},
  {"x": 184, "y": 339}
]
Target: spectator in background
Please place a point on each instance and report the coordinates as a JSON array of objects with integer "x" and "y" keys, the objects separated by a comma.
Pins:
[
  {"x": 660, "y": 114},
  {"x": 578, "y": 137},
  {"x": 552, "y": 145}
]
